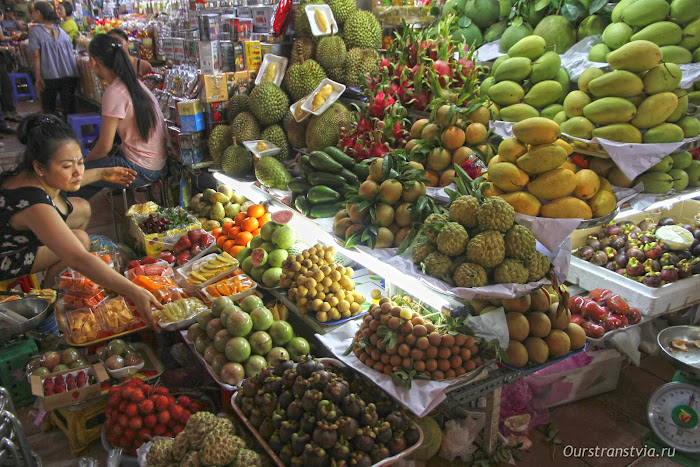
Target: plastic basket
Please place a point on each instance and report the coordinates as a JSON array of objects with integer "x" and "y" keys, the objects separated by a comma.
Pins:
[{"x": 13, "y": 359}]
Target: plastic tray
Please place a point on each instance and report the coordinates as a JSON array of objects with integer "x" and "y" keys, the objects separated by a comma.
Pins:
[
  {"x": 338, "y": 90},
  {"x": 650, "y": 301},
  {"x": 78, "y": 315},
  {"x": 103, "y": 336},
  {"x": 236, "y": 297},
  {"x": 272, "y": 149},
  {"x": 332, "y": 24},
  {"x": 184, "y": 271},
  {"x": 118, "y": 302},
  {"x": 151, "y": 364},
  {"x": 293, "y": 108},
  {"x": 545, "y": 364},
  {"x": 281, "y": 68},
  {"x": 206, "y": 365},
  {"x": 184, "y": 323}
]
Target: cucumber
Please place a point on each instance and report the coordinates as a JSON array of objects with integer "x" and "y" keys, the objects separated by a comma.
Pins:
[
  {"x": 299, "y": 185},
  {"x": 302, "y": 204},
  {"x": 322, "y": 194},
  {"x": 350, "y": 177},
  {"x": 305, "y": 164},
  {"x": 340, "y": 157},
  {"x": 361, "y": 170},
  {"x": 323, "y": 178},
  {"x": 326, "y": 209},
  {"x": 325, "y": 163}
]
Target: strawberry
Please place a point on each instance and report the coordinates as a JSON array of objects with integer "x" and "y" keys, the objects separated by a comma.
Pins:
[
  {"x": 59, "y": 381},
  {"x": 135, "y": 423},
  {"x": 150, "y": 420},
  {"x": 146, "y": 406},
  {"x": 132, "y": 410},
  {"x": 159, "y": 430},
  {"x": 184, "y": 401},
  {"x": 164, "y": 417}
]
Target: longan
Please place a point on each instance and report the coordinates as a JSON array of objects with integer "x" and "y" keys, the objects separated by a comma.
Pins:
[
  {"x": 396, "y": 311},
  {"x": 386, "y": 358},
  {"x": 431, "y": 364},
  {"x": 378, "y": 366},
  {"x": 444, "y": 352},
  {"x": 373, "y": 339},
  {"x": 404, "y": 350},
  {"x": 419, "y": 365},
  {"x": 435, "y": 338},
  {"x": 335, "y": 276},
  {"x": 469, "y": 365},
  {"x": 420, "y": 330},
  {"x": 455, "y": 361},
  {"x": 417, "y": 321},
  {"x": 468, "y": 341},
  {"x": 443, "y": 365},
  {"x": 460, "y": 339},
  {"x": 411, "y": 339},
  {"x": 423, "y": 343},
  {"x": 430, "y": 327},
  {"x": 358, "y": 351},
  {"x": 455, "y": 349},
  {"x": 406, "y": 327},
  {"x": 392, "y": 350},
  {"x": 395, "y": 360},
  {"x": 431, "y": 352},
  {"x": 375, "y": 354},
  {"x": 386, "y": 307},
  {"x": 438, "y": 375},
  {"x": 388, "y": 369},
  {"x": 384, "y": 300},
  {"x": 460, "y": 371},
  {"x": 417, "y": 354},
  {"x": 394, "y": 323},
  {"x": 448, "y": 340},
  {"x": 465, "y": 354},
  {"x": 406, "y": 363},
  {"x": 369, "y": 362},
  {"x": 363, "y": 358},
  {"x": 326, "y": 307},
  {"x": 449, "y": 374}
]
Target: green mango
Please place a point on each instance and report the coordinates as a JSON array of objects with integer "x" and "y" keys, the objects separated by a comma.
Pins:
[
  {"x": 563, "y": 79},
  {"x": 691, "y": 35},
  {"x": 560, "y": 118},
  {"x": 676, "y": 54},
  {"x": 545, "y": 67},
  {"x": 618, "y": 83},
  {"x": 616, "y": 14},
  {"x": 513, "y": 69},
  {"x": 680, "y": 179},
  {"x": 580, "y": 127},
  {"x": 610, "y": 110},
  {"x": 621, "y": 132},
  {"x": 664, "y": 133},
  {"x": 664, "y": 77},
  {"x": 694, "y": 97},
  {"x": 551, "y": 110},
  {"x": 664, "y": 165},
  {"x": 617, "y": 34},
  {"x": 495, "y": 31},
  {"x": 684, "y": 11},
  {"x": 598, "y": 53},
  {"x": 592, "y": 26},
  {"x": 531, "y": 47},
  {"x": 661, "y": 33},
  {"x": 506, "y": 93},
  {"x": 586, "y": 77},
  {"x": 681, "y": 159},
  {"x": 655, "y": 109},
  {"x": 486, "y": 85},
  {"x": 574, "y": 102},
  {"x": 518, "y": 112},
  {"x": 656, "y": 182},
  {"x": 681, "y": 108},
  {"x": 644, "y": 12},
  {"x": 690, "y": 126},
  {"x": 636, "y": 56},
  {"x": 543, "y": 94},
  {"x": 693, "y": 172}
]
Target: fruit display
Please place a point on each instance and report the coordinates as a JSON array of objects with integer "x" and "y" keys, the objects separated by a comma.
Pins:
[
  {"x": 601, "y": 312},
  {"x": 326, "y": 177},
  {"x": 136, "y": 412},
  {"x": 54, "y": 361},
  {"x": 67, "y": 382},
  {"x": 70, "y": 281},
  {"x": 191, "y": 244},
  {"x": 676, "y": 171},
  {"x": 204, "y": 440},
  {"x": 670, "y": 25},
  {"x": 234, "y": 235},
  {"x": 478, "y": 242},
  {"x": 149, "y": 266},
  {"x": 209, "y": 267},
  {"x": 396, "y": 338},
  {"x": 114, "y": 316},
  {"x": 312, "y": 414},
  {"x": 540, "y": 328},
  {"x": 652, "y": 253},
  {"x": 536, "y": 160},
  {"x": 117, "y": 354},
  {"x": 389, "y": 207},
  {"x": 180, "y": 310},
  {"x": 318, "y": 284},
  {"x": 271, "y": 173},
  {"x": 214, "y": 208},
  {"x": 239, "y": 341},
  {"x": 262, "y": 258},
  {"x": 71, "y": 300},
  {"x": 230, "y": 286},
  {"x": 164, "y": 220}
]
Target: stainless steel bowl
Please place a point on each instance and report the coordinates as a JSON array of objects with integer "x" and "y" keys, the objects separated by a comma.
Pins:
[
  {"x": 683, "y": 360},
  {"x": 34, "y": 309}
]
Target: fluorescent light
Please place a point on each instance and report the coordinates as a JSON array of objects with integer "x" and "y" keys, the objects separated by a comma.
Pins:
[
  {"x": 247, "y": 189},
  {"x": 662, "y": 204}
]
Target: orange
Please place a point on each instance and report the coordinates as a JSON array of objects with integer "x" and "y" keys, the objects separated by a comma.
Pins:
[
  {"x": 221, "y": 240},
  {"x": 216, "y": 232},
  {"x": 235, "y": 250},
  {"x": 240, "y": 217},
  {"x": 243, "y": 238},
  {"x": 256, "y": 232},
  {"x": 228, "y": 244},
  {"x": 250, "y": 224},
  {"x": 256, "y": 210},
  {"x": 264, "y": 219},
  {"x": 233, "y": 232},
  {"x": 226, "y": 227}
]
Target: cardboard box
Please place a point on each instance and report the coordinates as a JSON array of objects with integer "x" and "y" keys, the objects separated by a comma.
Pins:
[
  {"x": 237, "y": 82},
  {"x": 74, "y": 396},
  {"x": 253, "y": 55},
  {"x": 209, "y": 57},
  {"x": 190, "y": 107},
  {"x": 215, "y": 88},
  {"x": 192, "y": 123}
]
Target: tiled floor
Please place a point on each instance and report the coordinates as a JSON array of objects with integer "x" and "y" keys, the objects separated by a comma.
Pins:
[{"x": 616, "y": 419}]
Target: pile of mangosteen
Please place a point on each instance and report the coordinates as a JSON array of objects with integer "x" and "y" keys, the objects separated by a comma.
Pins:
[
  {"x": 311, "y": 414},
  {"x": 645, "y": 253}
]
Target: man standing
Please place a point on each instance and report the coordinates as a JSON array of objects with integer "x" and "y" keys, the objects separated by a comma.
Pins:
[{"x": 10, "y": 23}]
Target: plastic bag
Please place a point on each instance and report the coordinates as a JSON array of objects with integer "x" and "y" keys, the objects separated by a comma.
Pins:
[
  {"x": 516, "y": 401},
  {"x": 458, "y": 438}
]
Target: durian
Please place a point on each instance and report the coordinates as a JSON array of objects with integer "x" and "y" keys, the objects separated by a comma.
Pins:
[
  {"x": 301, "y": 21},
  {"x": 245, "y": 127},
  {"x": 342, "y": 9},
  {"x": 268, "y": 103},
  {"x": 301, "y": 79},
  {"x": 358, "y": 64},
  {"x": 236, "y": 105},
  {"x": 324, "y": 129},
  {"x": 219, "y": 139},
  {"x": 362, "y": 30},
  {"x": 237, "y": 160},
  {"x": 331, "y": 52},
  {"x": 275, "y": 134}
]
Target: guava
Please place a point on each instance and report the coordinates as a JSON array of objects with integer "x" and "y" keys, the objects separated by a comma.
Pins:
[
  {"x": 218, "y": 363},
  {"x": 268, "y": 246},
  {"x": 232, "y": 373},
  {"x": 239, "y": 323},
  {"x": 221, "y": 339},
  {"x": 116, "y": 347},
  {"x": 276, "y": 257},
  {"x": 250, "y": 303},
  {"x": 256, "y": 241},
  {"x": 247, "y": 265},
  {"x": 297, "y": 348},
  {"x": 259, "y": 257},
  {"x": 69, "y": 356},
  {"x": 218, "y": 304},
  {"x": 260, "y": 343},
  {"x": 281, "y": 333},
  {"x": 257, "y": 272},
  {"x": 237, "y": 349},
  {"x": 254, "y": 365},
  {"x": 59, "y": 368},
  {"x": 41, "y": 371},
  {"x": 267, "y": 230},
  {"x": 276, "y": 355},
  {"x": 201, "y": 343},
  {"x": 262, "y": 319},
  {"x": 244, "y": 253},
  {"x": 271, "y": 277},
  {"x": 226, "y": 312},
  {"x": 284, "y": 237}
]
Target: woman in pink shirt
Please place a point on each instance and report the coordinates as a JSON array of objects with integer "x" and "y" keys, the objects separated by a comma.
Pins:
[{"x": 130, "y": 110}]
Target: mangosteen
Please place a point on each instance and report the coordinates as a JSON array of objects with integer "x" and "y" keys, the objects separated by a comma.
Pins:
[
  {"x": 684, "y": 255},
  {"x": 273, "y": 384},
  {"x": 612, "y": 229},
  {"x": 696, "y": 234},
  {"x": 605, "y": 241},
  {"x": 695, "y": 243},
  {"x": 646, "y": 238},
  {"x": 297, "y": 461},
  {"x": 300, "y": 386},
  {"x": 364, "y": 440},
  {"x": 379, "y": 453},
  {"x": 616, "y": 240},
  {"x": 383, "y": 431},
  {"x": 398, "y": 420},
  {"x": 669, "y": 274},
  {"x": 266, "y": 428},
  {"x": 341, "y": 450},
  {"x": 319, "y": 379},
  {"x": 283, "y": 365},
  {"x": 247, "y": 405},
  {"x": 632, "y": 244},
  {"x": 384, "y": 407},
  {"x": 695, "y": 266},
  {"x": 325, "y": 434},
  {"x": 411, "y": 435},
  {"x": 250, "y": 387},
  {"x": 647, "y": 224},
  {"x": 314, "y": 456},
  {"x": 669, "y": 259},
  {"x": 370, "y": 416},
  {"x": 285, "y": 398},
  {"x": 308, "y": 423},
  {"x": 599, "y": 258},
  {"x": 636, "y": 253},
  {"x": 275, "y": 442},
  {"x": 684, "y": 269},
  {"x": 269, "y": 404},
  {"x": 651, "y": 265},
  {"x": 347, "y": 427},
  {"x": 594, "y": 243},
  {"x": 311, "y": 399},
  {"x": 263, "y": 375},
  {"x": 621, "y": 271},
  {"x": 256, "y": 417},
  {"x": 666, "y": 221},
  {"x": 295, "y": 411},
  {"x": 652, "y": 279},
  {"x": 307, "y": 365},
  {"x": 299, "y": 441},
  {"x": 634, "y": 230},
  {"x": 353, "y": 406},
  {"x": 634, "y": 267},
  {"x": 621, "y": 260},
  {"x": 259, "y": 397},
  {"x": 326, "y": 410},
  {"x": 278, "y": 417},
  {"x": 287, "y": 429},
  {"x": 610, "y": 252},
  {"x": 397, "y": 443},
  {"x": 360, "y": 459},
  {"x": 286, "y": 454},
  {"x": 611, "y": 266},
  {"x": 688, "y": 227},
  {"x": 653, "y": 250},
  {"x": 336, "y": 391}
]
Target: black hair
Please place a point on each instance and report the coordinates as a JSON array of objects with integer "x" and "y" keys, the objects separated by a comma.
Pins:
[
  {"x": 68, "y": 6},
  {"x": 47, "y": 12},
  {"x": 109, "y": 52},
  {"x": 118, "y": 32},
  {"x": 42, "y": 135}
]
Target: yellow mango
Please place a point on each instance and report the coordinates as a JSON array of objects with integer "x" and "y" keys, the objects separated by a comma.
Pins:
[
  {"x": 510, "y": 149},
  {"x": 568, "y": 165},
  {"x": 587, "y": 184},
  {"x": 537, "y": 130},
  {"x": 508, "y": 177},
  {"x": 542, "y": 158},
  {"x": 490, "y": 189},
  {"x": 494, "y": 160},
  {"x": 603, "y": 203},
  {"x": 553, "y": 184},
  {"x": 564, "y": 145},
  {"x": 523, "y": 203},
  {"x": 604, "y": 185},
  {"x": 567, "y": 207},
  {"x": 655, "y": 109}
]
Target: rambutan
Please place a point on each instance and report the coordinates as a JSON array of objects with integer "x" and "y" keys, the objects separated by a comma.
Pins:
[
  {"x": 114, "y": 400},
  {"x": 114, "y": 390},
  {"x": 185, "y": 416},
  {"x": 132, "y": 410},
  {"x": 176, "y": 411},
  {"x": 173, "y": 421},
  {"x": 159, "y": 430},
  {"x": 168, "y": 434},
  {"x": 184, "y": 401},
  {"x": 123, "y": 405},
  {"x": 137, "y": 395},
  {"x": 146, "y": 406},
  {"x": 133, "y": 383},
  {"x": 135, "y": 423},
  {"x": 124, "y": 420},
  {"x": 161, "y": 402},
  {"x": 161, "y": 391},
  {"x": 195, "y": 407},
  {"x": 144, "y": 434},
  {"x": 177, "y": 429},
  {"x": 150, "y": 420},
  {"x": 117, "y": 430},
  {"x": 129, "y": 434},
  {"x": 171, "y": 401},
  {"x": 127, "y": 393},
  {"x": 164, "y": 417}
]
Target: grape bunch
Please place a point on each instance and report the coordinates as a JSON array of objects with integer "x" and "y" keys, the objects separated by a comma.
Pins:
[{"x": 154, "y": 224}]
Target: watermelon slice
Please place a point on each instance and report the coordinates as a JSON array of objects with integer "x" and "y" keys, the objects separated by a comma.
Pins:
[
  {"x": 281, "y": 217},
  {"x": 259, "y": 257}
]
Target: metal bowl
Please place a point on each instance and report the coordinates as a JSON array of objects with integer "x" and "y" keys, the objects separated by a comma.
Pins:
[
  {"x": 683, "y": 360},
  {"x": 34, "y": 309}
]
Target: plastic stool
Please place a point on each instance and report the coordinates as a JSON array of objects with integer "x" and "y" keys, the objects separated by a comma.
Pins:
[
  {"x": 81, "y": 424},
  {"x": 78, "y": 121},
  {"x": 15, "y": 77},
  {"x": 145, "y": 188}
]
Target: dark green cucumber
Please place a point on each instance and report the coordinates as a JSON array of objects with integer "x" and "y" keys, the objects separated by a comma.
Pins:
[
  {"x": 305, "y": 164},
  {"x": 350, "y": 177},
  {"x": 299, "y": 185},
  {"x": 302, "y": 204},
  {"x": 340, "y": 157},
  {"x": 361, "y": 170},
  {"x": 323, "y": 178},
  {"x": 322, "y": 194},
  {"x": 325, "y": 163},
  {"x": 326, "y": 209}
]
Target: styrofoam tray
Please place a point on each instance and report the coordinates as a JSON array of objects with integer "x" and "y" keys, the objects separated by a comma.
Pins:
[
  {"x": 332, "y": 24},
  {"x": 235, "y": 297},
  {"x": 272, "y": 149},
  {"x": 183, "y": 273},
  {"x": 293, "y": 107},
  {"x": 281, "y": 68},
  {"x": 338, "y": 90},
  {"x": 178, "y": 325},
  {"x": 650, "y": 301}
]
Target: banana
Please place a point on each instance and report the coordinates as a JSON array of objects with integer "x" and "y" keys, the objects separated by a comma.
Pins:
[
  {"x": 321, "y": 96},
  {"x": 270, "y": 72},
  {"x": 321, "y": 21}
]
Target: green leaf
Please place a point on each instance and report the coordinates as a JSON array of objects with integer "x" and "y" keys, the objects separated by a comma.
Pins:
[
  {"x": 352, "y": 240},
  {"x": 435, "y": 11},
  {"x": 348, "y": 350},
  {"x": 572, "y": 11},
  {"x": 541, "y": 5},
  {"x": 517, "y": 21},
  {"x": 386, "y": 167},
  {"x": 464, "y": 22},
  {"x": 596, "y": 6}
]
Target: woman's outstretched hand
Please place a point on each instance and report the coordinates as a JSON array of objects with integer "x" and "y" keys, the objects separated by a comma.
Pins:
[
  {"x": 145, "y": 302},
  {"x": 119, "y": 175}
]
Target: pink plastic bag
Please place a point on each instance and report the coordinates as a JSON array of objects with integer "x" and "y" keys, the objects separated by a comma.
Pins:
[{"x": 516, "y": 399}]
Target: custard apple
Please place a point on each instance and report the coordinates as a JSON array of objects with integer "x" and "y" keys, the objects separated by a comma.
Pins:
[
  {"x": 496, "y": 214},
  {"x": 520, "y": 242},
  {"x": 537, "y": 265},
  {"x": 191, "y": 459},
  {"x": 486, "y": 249},
  {"x": 452, "y": 239},
  {"x": 463, "y": 210},
  {"x": 510, "y": 271},
  {"x": 437, "y": 265},
  {"x": 470, "y": 275},
  {"x": 420, "y": 251},
  {"x": 198, "y": 426},
  {"x": 159, "y": 455},
  {"x": 180, "y": 446},
  {"x": 247, "y": 458},
  {"x": 219, "y": 448},
  {"x": 428, "y": 224}
]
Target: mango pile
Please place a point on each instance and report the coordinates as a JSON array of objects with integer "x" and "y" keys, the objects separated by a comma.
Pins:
[
  {"x": 673, "y": 26},
  {"x": 532, "y": 173},
  {"x": 638, "y": 102}
]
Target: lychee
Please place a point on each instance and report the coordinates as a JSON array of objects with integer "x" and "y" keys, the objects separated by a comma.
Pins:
[
  {"x": 59, "y": 389},
  {"x": 164, "y": 417},
  {"x": 150, "y": 420},
  {"x": 168, "y": 434},
  {"x": 171, "y": 401},
  {"x": 117, "y": 430},
  {"x": 185, "y": 416},
  {"x": 144, "y": 434},
  {"x": 195, "y": 407},
  {"x": 146, "y": 406}
]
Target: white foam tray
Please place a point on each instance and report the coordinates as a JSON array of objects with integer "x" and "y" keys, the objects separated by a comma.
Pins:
[
  {"x": 293, "y": 108},
  {"x": 271, "y": 150},
  {"x": 338, "y": 90},
  {"x": 311, "y": 11},
  {"x": 281, "y": 68}
]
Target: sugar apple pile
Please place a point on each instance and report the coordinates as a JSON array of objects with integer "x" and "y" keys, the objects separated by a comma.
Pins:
[
  {"x": 206, "y": 440},
  {"x": 478, "y": 243}
]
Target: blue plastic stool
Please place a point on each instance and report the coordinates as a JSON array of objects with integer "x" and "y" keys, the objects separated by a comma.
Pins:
[
  {"x": 79, "y": 121},
  {"x": 15, "y": 77}
]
